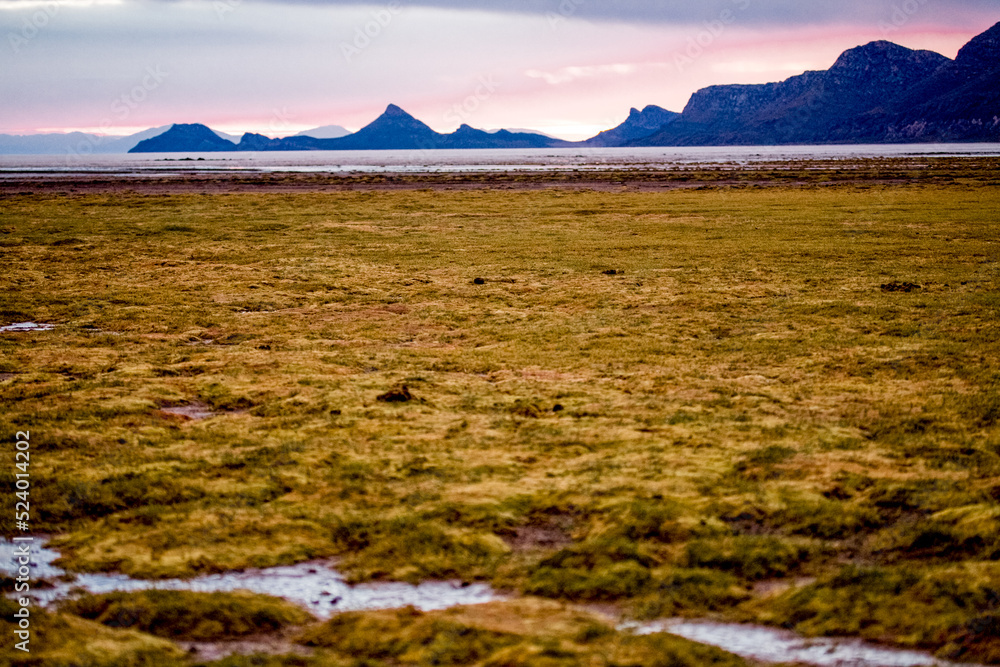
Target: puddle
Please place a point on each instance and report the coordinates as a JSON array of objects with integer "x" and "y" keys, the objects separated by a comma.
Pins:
[
  {"x": 194, "y": 411},
  {"x": 315, "y": 586},
  {"x": 27, "y": 327},
  {"x": 776, "y": 646}
]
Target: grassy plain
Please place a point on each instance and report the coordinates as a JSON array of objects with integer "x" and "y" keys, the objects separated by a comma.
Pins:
[{"x": 771, "y": 404}]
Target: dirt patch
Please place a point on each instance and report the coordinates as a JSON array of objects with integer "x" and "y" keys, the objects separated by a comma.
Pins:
[
  {"x": 65, "y": 242},
  {"x": 774, "y": 587},
  {"x": 398, "y": 394},
  {"x": 548, "y": 536},
  {"x": 896, "y": 286},
  {"x": 276, "y": 644},
  {"x": 192, "y": 411},
  {"x": 748, "y": 522},
  {"x": 546, "y": 375},
  {"x": 527, "y": 410}
]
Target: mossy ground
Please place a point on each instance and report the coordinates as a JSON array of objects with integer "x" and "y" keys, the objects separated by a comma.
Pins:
[
  {"x": 523, "y": 632},
  {"x": 188, "y": 615},
  {"x": 664, "y": 400}
]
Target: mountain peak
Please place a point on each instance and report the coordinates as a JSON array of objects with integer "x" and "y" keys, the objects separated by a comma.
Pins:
[
  {"x": 638, "y": 124},
  {"x": 982, "y": 51},
  {"x": 184, "y": 137},
  {"x": 884, "y": 55},
  {"x": 395, "y": 111}
]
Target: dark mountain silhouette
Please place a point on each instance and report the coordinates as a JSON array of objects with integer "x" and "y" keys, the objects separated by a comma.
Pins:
[
  {"x": 959, "y": 102},
  {"x": 393, "y": 130},
  {"x": 877, "y": 93},
  {"x": 469, "y": 137},
  {"x": 638, "y": 125},
  {"x": 190, "y": 138}
]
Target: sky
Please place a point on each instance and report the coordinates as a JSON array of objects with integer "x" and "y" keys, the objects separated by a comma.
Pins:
[{"x": 566, "y": 67}]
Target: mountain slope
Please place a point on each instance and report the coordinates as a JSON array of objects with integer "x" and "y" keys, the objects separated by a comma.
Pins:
[
  {"x": 185, "y": 138},
  {"x": 469, "y": 137},
  {"x": 72, "y": 143},
  {"x": 393, "y": 130},
  {"x": 803, "y": 108},
  {"x": 325, "y": 132},
  {"x": 46, "y": 144},
  {"x": 960, "y": 102},
  {"x": 638, "y": 125}
]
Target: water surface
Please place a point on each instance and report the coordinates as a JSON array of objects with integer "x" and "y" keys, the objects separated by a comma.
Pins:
[{"x": 486, "y": 160}]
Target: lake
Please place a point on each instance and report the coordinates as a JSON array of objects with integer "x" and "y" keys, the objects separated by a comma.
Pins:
[{"x": 423, "y": 161}]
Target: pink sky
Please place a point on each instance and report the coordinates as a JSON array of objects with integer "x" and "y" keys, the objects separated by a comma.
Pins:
[{"x": 279, "y": 69}]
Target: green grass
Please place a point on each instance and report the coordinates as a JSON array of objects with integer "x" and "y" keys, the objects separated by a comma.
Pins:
[
  {"x": 739, "y": 402},
  {"x": 187, "y": 615},
  {"x": 526, "y": 632},
  {"x": 63, "y": 640}
]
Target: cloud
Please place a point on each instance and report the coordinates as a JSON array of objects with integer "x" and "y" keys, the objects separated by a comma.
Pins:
[
  {"x": 72, "y": 61},
  {"x": 51, "y": 6},
  {"x": 567, "y": 74},
  {"x": 751, "y": 12}
]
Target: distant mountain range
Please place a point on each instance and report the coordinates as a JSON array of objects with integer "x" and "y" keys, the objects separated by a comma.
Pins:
[
  {"x": 393, "y": 130},
  {"x": 877, "y": 93},
  {"x": 78, "y": 143},
  {"x": 325, "y": 132},
  {"x": 397, "y": 130}
]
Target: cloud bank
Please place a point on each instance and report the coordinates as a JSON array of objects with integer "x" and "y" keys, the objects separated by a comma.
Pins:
[{"x": 758, "y": 12}]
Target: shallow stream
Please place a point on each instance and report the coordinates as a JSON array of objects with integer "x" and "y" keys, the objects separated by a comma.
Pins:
[
  {"x": 322, "y": 590},
  {"x": 27, "y": 327},
  {"x": 316, "y": 586},
  {"x": 776, "y": 646}
]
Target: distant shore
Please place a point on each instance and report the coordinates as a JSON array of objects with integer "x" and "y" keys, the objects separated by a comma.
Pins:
[{"x": 802, "y": 173}]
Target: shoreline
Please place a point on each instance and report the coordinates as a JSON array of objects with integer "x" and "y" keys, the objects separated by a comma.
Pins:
[{"x": 799, "y": 173}]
